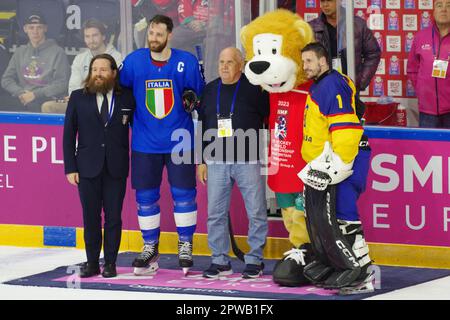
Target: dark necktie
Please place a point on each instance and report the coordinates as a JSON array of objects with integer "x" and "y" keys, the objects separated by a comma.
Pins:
[{"x": 104, "y": 109}]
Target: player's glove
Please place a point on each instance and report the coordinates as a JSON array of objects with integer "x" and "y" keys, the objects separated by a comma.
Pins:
[
  {"x": 190, "y": 100},
  {"x": 327, "y": 168}
]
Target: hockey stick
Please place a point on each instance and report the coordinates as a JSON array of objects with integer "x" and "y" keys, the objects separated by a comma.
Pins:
[
  {"x": 236, "y": 250},
  {"x": 198, "y": 49}
]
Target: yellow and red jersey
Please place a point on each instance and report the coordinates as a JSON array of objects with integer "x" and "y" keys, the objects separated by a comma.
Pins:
[{"x": 330, "y": 116}]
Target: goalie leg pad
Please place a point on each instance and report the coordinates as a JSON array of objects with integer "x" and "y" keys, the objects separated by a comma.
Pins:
[
  {"x": 315, "y": 202},
  {"x": 352, "y": 231},
  {"x": 329, "y": 244},
  {"x": 317, "y": 272},
  {"x": 342, "y": 278}
]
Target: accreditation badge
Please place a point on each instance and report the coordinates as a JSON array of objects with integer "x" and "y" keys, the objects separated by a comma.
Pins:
[
  {"x": 224, "y": 128},
  {"x": 440, "y": 68}
]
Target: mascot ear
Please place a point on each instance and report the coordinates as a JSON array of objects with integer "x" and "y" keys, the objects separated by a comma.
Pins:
[
  {"x": 243, "y": 35},
  {"x": 305, "y": 30}
]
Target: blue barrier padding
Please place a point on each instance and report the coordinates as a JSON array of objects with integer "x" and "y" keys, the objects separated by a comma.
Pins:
[
  {"x": 379, "y": 132},
  {"x": 407, "y": 133},
  {"x": 30, "y": 118},
  {"x": 60, "y": 236}
]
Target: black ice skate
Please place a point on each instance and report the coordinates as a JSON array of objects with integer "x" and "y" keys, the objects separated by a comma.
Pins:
[
  {"x": 364, "y": 284},
  {"x": 185, "y": 255},
  {"x": 146, "y": 262}
]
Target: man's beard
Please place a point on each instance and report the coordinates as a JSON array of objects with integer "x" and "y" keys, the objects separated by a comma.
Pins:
[
  {"x": 94, "y": 46},
  {"x": 103, "y": 87},
  {"x": 159, "y": 48},
  {"x": 314, "y": 74}
]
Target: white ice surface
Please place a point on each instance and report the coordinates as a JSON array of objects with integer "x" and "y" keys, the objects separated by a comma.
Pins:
[{"x": 18, "y": 262}]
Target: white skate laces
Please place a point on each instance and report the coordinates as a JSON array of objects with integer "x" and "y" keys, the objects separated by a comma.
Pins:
[
  {"x": 298, "y": 255},
  {"x": 148, "y": 251},
  {"x": 185, "y": 250}
]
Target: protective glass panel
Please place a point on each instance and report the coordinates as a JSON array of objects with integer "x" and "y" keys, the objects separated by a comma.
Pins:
[
  {"x": 47, "y": 47},
  {"x": 201, "y": 27},
  {"x": 341, "y": 37}
]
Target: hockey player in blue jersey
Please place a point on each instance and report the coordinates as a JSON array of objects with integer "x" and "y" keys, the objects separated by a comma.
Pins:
[{"x": 160, "y": 76}]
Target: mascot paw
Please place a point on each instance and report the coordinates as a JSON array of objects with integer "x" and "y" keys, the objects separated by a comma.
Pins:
[{"x": 288, "y": 271}]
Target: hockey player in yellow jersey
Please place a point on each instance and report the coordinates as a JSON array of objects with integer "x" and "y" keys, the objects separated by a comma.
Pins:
[{"x": 338, "y": 157}]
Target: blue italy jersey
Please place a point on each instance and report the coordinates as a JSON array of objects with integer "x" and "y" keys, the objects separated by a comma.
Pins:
[{"x": 158, "y": 93}]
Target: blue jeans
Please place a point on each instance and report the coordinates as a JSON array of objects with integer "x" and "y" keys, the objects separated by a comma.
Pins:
[
  {"x": 251, "y": 183},
  {"x": 433, "y": 121}
]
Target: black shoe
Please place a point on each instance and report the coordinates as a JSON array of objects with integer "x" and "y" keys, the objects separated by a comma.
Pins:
[
  {"x": 89, "y": 269},
  {"x": 252, "y": 271},
  {"x": 109, "y": 271},
  {"x": 216, "y": 270}
]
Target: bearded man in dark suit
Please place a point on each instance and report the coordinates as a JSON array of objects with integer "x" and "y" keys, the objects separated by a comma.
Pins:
[{"x": 98, "y": 116}]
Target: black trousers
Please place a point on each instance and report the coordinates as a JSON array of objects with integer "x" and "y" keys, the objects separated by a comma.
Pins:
[{"x": 107, "y": 192}]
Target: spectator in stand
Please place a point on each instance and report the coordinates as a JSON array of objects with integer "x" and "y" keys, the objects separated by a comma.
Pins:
[
  {"x": 428, "y": 69},
  {"x": 193, "y": 18},
  {"x": 38, "y": 71},
  {"x": 144, "y": 10},
  {"x": 367, "y": 51},
  {"x": 94, "y": 33},
  {"x": 6, "y": 100},
  {"x": 220, "y": 34}
]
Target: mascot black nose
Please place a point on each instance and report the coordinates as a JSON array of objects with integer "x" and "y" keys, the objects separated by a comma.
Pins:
[{"x": 259, "y": 67}]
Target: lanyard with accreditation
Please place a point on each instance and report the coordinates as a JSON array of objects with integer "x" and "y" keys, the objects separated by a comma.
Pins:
[
  {"x": 224, "y": 125},
  {"x": 111, "y": 107},
  {"x": 440, "y": 67}
]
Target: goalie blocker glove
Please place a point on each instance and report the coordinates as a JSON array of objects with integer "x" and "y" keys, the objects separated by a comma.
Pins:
[{"x": 327, "y": 168}]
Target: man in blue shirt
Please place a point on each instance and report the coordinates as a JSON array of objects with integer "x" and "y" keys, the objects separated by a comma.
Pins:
[{"x": 159, "y": 76}]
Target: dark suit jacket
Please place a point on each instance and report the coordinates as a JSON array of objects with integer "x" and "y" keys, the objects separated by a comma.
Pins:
[{"x": 97, "y": 145}]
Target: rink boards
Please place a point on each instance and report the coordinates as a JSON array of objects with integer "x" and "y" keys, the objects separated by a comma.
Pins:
[{"x": 405, "y": 209}]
